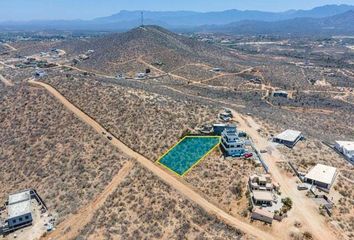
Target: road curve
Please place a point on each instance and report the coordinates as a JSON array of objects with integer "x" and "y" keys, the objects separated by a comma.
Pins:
[
  {"x": 71, "y": 227},
  {"x": 165, "y": 176},
  {"x": 6, "y": 81}
]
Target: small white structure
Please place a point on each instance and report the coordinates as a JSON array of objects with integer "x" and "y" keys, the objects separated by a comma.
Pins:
[
  {"x": 262, "y": 215},
  {"x": 346, "y": 148},
  {"x": 322, "y": 176},
  {"x": 19, "y": 210},
  {"x": 141, "y": 75},
  {"x": 289, "y": 138},
  {"x": 83, "y": 57},
  {"x": 217, "y": 69},
  {"x": 226, "y": 115},
  {"x": 40, "y": 73},
  {"x": 280, "y": 93}
]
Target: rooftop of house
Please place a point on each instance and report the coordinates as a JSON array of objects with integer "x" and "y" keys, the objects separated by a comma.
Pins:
[
  {"x": 263, "y": 212},
  {"x": 261, "y": 178},
  {"x": 322, "y": 173},
  {"x": 19, "y": 204},
  {"x": 19, "y": 197},
  {"x": 262, "y": 196},
  {"x": 281, "y": 91},
  {"x": 19, "y": 209},
  {"x": 348, "y": 145},
  {"x": 289, "y": 135}
]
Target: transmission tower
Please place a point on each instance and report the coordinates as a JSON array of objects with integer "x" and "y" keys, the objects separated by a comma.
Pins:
[{"x": 142, "y": 19}]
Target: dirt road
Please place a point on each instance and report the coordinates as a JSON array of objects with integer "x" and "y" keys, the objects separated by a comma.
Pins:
[
  {"x": 7, "y": 65},
  {"x": 70, "y": 228},
  {"x": 304, "y": 209},
  {"x": 165, "y": 176},
  {"x": 10, "y": 47},
  {"x": 6, "y": 81}
]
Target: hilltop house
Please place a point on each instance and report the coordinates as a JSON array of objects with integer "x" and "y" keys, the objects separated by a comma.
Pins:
[
  {"x": 322, "y": 176},
  {"x": 262, "y": 215},
  {"x": 346, "y": 148},
  {"x": 141, "y": 75},
  {"x": 262, "y": 198},
  {"x": 262, "y": 182},
  {"x": 288, "y": 138},
  {"x": 231, "y": 143},
  {"x": 40, "y": 73},
  {"x": 22, "y": 210},
  {"x": 280, "y": 93},
  {"x": 19, "y": 210},
  {"x": 226, "y": 116}
]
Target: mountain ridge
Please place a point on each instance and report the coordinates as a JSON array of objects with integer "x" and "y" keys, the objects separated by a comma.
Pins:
[
  {"x": 125, "y": 20},
  {"x": 337, "y": 24}
]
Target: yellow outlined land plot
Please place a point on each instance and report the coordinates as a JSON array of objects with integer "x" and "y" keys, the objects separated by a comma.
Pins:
[{"x": 187, "y": 153}]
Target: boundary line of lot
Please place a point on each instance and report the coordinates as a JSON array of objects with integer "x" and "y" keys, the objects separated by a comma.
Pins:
[{"x": 196, "y": 163}]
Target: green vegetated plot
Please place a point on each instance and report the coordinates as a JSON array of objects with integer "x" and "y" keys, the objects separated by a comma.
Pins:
[{"x": 187, "y": 153}]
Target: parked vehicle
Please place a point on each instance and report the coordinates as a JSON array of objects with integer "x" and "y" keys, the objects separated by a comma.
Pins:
[{"x": 248, "y": 155}]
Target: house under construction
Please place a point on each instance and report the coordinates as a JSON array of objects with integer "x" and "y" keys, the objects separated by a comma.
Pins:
[{"x": 19, "y": 210}]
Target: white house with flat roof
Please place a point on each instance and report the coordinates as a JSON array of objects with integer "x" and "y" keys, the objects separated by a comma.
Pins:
[
  {"x": 322, "y": 176},
  {"x": 289, "y": 138},
  {"x": 346, "y": 148},
  {"x": 19, "y": 210}
]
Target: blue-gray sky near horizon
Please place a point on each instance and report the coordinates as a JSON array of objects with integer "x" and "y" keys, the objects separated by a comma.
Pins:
[{"x": 24, "y": 10}]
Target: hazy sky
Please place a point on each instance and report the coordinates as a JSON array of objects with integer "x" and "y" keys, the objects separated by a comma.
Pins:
[{"x": 87, "y": 9}]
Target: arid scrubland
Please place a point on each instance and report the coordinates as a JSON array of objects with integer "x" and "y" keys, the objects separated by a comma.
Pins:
[
  {"x": 222, "y": 181},
  {"x": 43, "y": 146},
  {"x": 148, "y": 123},
  {"x": 143, "y": 207}
]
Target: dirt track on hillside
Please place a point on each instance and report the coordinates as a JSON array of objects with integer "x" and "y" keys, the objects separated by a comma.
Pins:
[
  {"x": 71, "y": 227},
  {"x": 6, "y": 81},
  {"x": 165, "y": 176}
]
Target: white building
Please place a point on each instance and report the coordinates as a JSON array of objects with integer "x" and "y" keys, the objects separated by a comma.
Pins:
[
  {"x": 289, "y": 138},
  {"x": 40, "y": 73},
  {"x": 231, "y": 143},
  {"x": 322, "y": 176},
  {"x": 141, "y": 75},
  {"x": 19, "y": 210},
  {"x": 280, "y": 93},
  {"x": 347, "y": 148}
]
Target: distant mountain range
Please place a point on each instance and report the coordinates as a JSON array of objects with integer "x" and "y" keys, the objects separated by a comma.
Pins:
[
  {"x": 188, "y": 18},
  {"x": 337, "y": 24},
  {"x": 248, "y": 21}
]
